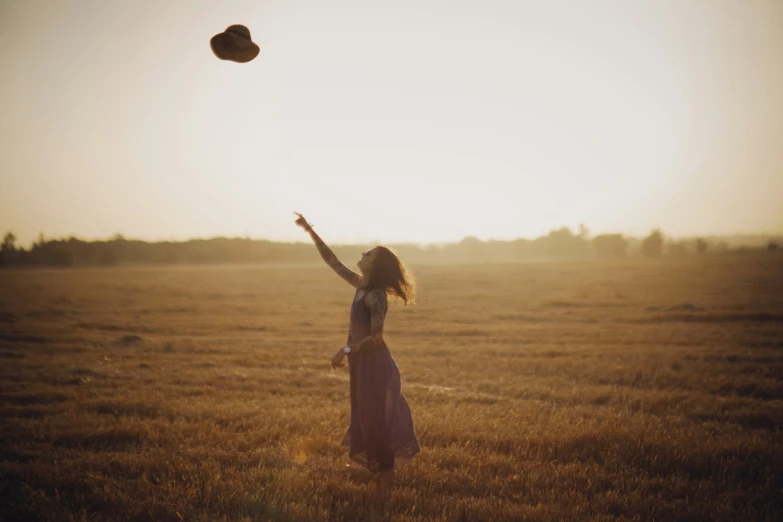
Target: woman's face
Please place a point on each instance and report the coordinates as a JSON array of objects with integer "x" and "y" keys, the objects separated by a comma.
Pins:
[{"x": 367, "y": 260}]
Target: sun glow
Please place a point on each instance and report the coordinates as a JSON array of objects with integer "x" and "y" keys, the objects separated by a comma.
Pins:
[{"x": 413, "y": 123}]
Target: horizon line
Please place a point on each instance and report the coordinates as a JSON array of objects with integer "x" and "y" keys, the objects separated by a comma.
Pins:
[{"x": 733, "y": 235}]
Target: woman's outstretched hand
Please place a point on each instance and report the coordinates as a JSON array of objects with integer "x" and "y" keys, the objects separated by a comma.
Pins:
[{"x": 302, "y": 222}]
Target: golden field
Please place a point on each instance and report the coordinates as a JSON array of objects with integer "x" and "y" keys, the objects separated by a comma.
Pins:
[{"x": 634, "y": 390}]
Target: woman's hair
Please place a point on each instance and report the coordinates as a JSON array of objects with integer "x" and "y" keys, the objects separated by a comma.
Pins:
[{"x": 389, "y": 274}]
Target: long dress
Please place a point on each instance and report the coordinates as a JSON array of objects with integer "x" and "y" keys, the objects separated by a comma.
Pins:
[{"x": 380, "y": 435}]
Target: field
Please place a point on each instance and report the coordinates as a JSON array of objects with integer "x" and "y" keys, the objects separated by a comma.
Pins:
[{"x": 636, "y": 390}]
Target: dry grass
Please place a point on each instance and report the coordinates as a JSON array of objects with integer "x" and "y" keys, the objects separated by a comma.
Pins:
[{"x": 635, "y": 390}]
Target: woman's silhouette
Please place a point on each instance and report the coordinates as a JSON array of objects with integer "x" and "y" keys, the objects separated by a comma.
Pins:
[{"x": 381, "y": 433}]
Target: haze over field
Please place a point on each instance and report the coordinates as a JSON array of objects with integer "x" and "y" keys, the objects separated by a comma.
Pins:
[
  {"x": 548, "y": 392},
  {"x": 491, "y": 119}
]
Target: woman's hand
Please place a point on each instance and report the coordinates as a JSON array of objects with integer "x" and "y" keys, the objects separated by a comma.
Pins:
[
  {"x": 302, "y": 222},
  {"x": 337, "y": 360}
]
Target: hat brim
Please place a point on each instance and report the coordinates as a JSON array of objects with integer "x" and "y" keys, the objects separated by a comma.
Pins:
[{"x": 225, "y": 48}]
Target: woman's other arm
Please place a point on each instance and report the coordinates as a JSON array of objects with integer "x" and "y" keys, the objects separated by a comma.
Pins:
[
  {"x": 378, "y": 305},
  {"x": 377, "y": 302}
]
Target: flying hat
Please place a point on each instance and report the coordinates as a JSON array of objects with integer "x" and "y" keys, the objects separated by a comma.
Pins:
[{"x": 234, "y": 44}]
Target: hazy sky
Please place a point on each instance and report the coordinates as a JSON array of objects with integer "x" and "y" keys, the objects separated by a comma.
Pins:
[{"x": 411, "y": 120}]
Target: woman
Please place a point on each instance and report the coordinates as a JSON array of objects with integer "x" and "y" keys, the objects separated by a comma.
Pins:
[{"x": 381, "y": 433}]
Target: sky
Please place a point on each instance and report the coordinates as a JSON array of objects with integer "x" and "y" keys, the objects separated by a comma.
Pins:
[{"x": 405, "y": 121}]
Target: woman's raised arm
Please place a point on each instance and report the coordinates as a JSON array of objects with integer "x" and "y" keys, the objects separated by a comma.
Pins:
[{"x": 351, "y": 277}]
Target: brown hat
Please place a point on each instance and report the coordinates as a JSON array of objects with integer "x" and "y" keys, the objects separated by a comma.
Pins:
[{"x": 234, "y": 44}]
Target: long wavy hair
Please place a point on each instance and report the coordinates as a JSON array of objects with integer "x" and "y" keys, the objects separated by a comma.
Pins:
[{"x": 389, "y": 274}]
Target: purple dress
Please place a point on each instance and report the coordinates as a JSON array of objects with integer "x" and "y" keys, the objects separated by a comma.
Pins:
[{"x": 381, "y": 434}]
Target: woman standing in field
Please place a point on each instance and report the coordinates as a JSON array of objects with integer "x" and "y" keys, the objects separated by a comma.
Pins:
[{"x": 381, "y": 433}]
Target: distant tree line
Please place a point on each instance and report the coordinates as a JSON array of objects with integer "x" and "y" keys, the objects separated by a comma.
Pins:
[{"x": 558, "y": 244}]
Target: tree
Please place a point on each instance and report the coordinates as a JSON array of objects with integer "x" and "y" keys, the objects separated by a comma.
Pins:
[
  {"x": 470, "y": 248},
  {"x": 652, "y": 245},
  {"x": 701, "y": 246},
  {"x": 8, "y": 249},
  {"x": 9, "y": 243},
  {"x": 562, "y": 243},
  {"x": 610, "y": 245}
]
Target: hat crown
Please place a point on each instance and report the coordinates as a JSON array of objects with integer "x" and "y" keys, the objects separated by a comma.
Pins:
[
  {"x": 234, "y": 44},
  {"x": 239, "y": 30}
]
